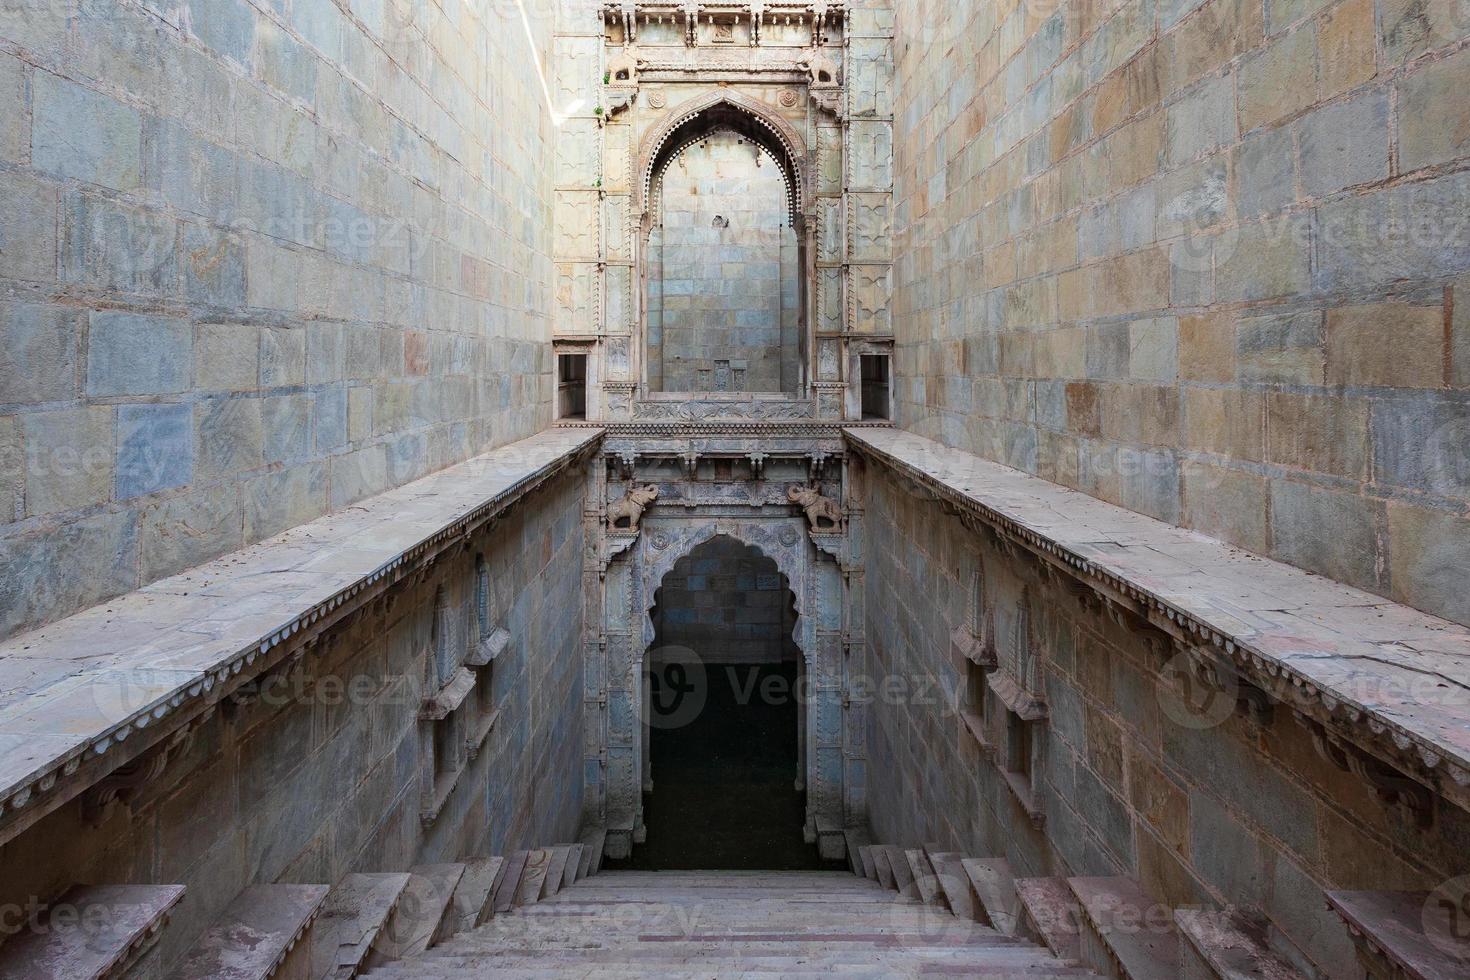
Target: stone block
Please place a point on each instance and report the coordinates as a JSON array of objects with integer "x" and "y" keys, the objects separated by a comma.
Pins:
[
  {"x": 284, "y": 64},
  {"x": 1202, "y": 121},
  {"x": 1433, "y": 114},
  {"x": 1460, "y": 335},
  {"x": 1207, "y": 347},
  {"x": 1411, "y": 28},
  {"x": 28, "y": 209},
  {"x": 189, "y": 530},
  {"x": 1225, "y": 421},
  {"x": 38, "y": 353},
  {"x": 1330, "y": 533},
  {"x": 1278, "y": 80},
  {"x": 1429, "y": 551},
  {"x": 15, "y": 124},
  {"x": 1227, "y": 855},
  {"x": 212, "y": 267},
  {"x": 1421, "y": 441},
  {"x": 1154, "y": 349},
  {"x": 1282, "y": 347},
  {"x": 1109, "y": 347},
  {"x": 1396, "y": 344},
  {"x": 1344, "y": 144},
  {"x": 1149, "y": 482},
  {"x": 1220, "y": 31},
  {"x": 359, "y": 414},
  {"x": 228, "y": 357},
  {"x": 1397, "y": 233},
  {"x": 78, "y": 564},
  {"x": 1324, "y": 433},
  {"x": 282, "y": 357},
  {"x": 326, "y": 353},
  {"x": 1226, "y": 503},
  {"x": 329, "y": 411},
  {"x": 128, "y": 354},
  {"x": 287, "y": 424},
  {"x": 283, "y": 499},
  {"x": 1346, "y": 48},
  {"x": 84, "y": 135},
  {"x": 155, "y": 449},
  {"x": 228, "y": 437},
  {"x": 36, "y": 25},
  {"x": 69, "y": 459},
  {"x": 1265, "y": 172},
  {"x": 108, "y": 246},
  {"x": 225, "y": 26},
  {"x": 190, "y": 173},
  {"x": 12, "y": 470},
  {"x": 1264, "y": 260}
]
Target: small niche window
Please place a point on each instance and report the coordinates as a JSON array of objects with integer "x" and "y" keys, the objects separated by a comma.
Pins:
[
  {"x": 1016, "y": 687},
  {"x": 875, "y": 384},
  {"x": 571, "y": 386},
  {"x": 445, "y": 713},
  {"x": 977, "y": 655}
]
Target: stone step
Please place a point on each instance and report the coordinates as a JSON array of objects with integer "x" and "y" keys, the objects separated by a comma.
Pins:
[
  {"x": 504, "y": 896},
  {"x": 995, "y": 887},
  {"x": 574, "y": 866},
  {"x": 1050, "y": 915},
  {"x": 419, "y": 920},
  {"x": 356, "y": 911},
  {"x": 1389, "y": 930},
  {"x": 925, "y": 880},
  {"x": 1125, "y": 932},
  {"x": 903, "y": 875},
  {"x": 703, "y": 968},
  {"x": 472, "y": 897},
  {"x": 533, "y": 878},
  {"x": 592, "y": 844},
  {"x": 883, "y": 868},
  {"x": 959, "y": 894},
  {"x": 750, "y": 952},
  {"x": 265, "y": 932},
  {"x": 1226, "y": 946},
  {"x": 857, "y": 839},
  {"x": 556, "y": 871},
  {"x": 870, "y": 870},
  {"x": 91, "y": 931}
]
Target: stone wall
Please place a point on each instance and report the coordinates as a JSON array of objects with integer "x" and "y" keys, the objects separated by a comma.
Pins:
[
  {"x": 723, "y": 303},
  {"x": 258, "y": 260},
  {"x": 729, "y": 604},
  {"x": 1129, "y": 778},
  {"x": 322, "y": 774},
  {"x": 1204, "y": 260}
]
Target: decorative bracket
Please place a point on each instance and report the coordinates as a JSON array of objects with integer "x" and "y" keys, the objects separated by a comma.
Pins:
[{"x": 1413, "y": 799}]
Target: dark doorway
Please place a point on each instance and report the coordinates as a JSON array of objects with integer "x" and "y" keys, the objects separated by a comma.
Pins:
[{"x": 724, "y": 719}]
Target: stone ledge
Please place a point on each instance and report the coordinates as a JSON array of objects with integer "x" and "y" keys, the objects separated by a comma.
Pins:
[
  {"x": 1367, "y": 668},
  {"x": 98, "y": 690}
]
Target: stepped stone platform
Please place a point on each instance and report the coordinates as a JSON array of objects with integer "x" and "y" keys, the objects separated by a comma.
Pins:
[{"x": 729, "y": 923}]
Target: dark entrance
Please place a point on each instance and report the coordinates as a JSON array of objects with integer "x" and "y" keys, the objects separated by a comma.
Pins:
[{"x": 724, "y": 721}]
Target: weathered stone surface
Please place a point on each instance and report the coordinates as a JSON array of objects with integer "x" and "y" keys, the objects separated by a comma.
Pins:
[
  {"x": 189, "y": 530},
  {"x": 227, "y": 356},
  {"x": 85, "y": 135},
  {"x": 27, "y": 228},
  {"x": 129, "y": 354},
  {"x": 228, "y": 437},
  {"x": 69, "y": 459},
  {"x": 1434, "y": 124},
  {"x": 155, "y": 449},
  {"x": 38, "y": 356},
  {"x": 1394, "y": 344}
]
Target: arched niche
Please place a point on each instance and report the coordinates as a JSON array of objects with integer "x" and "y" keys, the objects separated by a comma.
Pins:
[{"x": 699, "y": 119}]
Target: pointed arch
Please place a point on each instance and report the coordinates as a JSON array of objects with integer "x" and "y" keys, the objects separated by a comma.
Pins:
[{"x": 748, "y": 117}]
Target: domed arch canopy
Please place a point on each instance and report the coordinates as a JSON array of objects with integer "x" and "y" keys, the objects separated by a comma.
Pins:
[{"x": 733, "y": 112}]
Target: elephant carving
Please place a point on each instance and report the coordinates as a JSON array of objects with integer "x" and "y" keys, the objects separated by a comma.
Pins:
[
  {"x": 818, "y": 508},
  {"x": 631, "y": 507}
]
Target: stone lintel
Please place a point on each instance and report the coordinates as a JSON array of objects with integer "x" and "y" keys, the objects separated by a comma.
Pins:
[
  {"x": 1389, "y": 678},
  {"x": 1389, "y": 930}
]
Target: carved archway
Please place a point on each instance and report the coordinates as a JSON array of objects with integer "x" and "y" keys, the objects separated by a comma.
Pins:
[
  {"x": 785, "y": 542},
  {"x": 728, "y": 110}
]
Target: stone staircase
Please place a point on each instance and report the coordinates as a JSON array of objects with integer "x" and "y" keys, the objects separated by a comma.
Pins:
[
  {"x": 728, "y": 923},
  {"x": 547, "y": 912}
]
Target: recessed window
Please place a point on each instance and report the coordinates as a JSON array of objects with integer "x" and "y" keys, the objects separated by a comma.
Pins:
[
  {"x": 571, "y": 386},
  {"x": 874, "y": 369}
]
